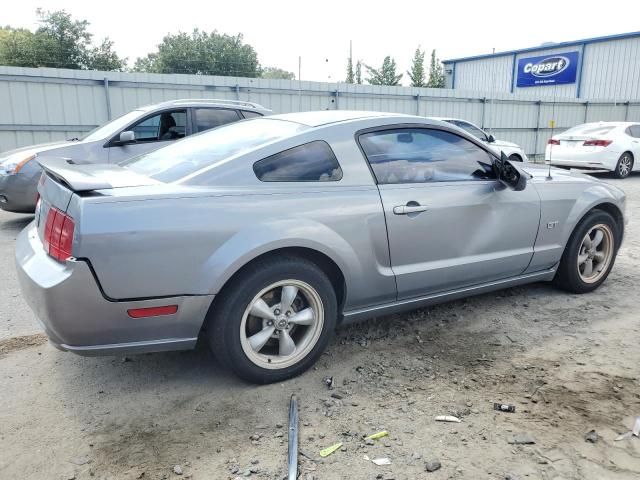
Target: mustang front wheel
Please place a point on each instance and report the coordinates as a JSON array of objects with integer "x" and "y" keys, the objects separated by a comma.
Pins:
[
  {"x": 274, "y": 320},
  {"x": 589, "y": 254}
]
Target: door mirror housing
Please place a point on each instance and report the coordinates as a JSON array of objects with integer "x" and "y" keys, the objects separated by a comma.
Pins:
[
  {"x": 509, "y": 175},
  {"x": 491, "y": 138},
  {"x": 126, "y": 137}
]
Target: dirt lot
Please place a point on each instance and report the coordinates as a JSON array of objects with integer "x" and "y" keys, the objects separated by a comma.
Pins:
[{"x": 570, "y": 364}]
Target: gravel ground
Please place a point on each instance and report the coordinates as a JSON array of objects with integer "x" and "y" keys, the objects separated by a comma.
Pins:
[{"x": 570, "y": 364}]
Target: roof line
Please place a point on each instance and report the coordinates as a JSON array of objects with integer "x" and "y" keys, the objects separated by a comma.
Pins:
[{"x": 618, "y": 36}]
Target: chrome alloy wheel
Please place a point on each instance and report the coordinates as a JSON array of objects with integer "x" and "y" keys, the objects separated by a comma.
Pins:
[
  {"x": 625, "y": 165},
  {"x": 595, "y": 253},
  {"x": 282, "y": 324}
]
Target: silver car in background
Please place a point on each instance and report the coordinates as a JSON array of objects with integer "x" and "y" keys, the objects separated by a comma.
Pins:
[
  {"x": 142, "y": 130},
  {"x": 513, "y": 151},
  {"x": 264, "y": 235}
]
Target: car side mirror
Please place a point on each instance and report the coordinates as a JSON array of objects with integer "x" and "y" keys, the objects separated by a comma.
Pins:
[
  {"x": 509, "y": 175},
  {"x": 491, "y": 138},
  {"x": 126, "y": 137}
]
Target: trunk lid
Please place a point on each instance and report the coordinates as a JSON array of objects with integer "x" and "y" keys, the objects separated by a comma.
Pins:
[
  {"x": 61, "y": 179},
  {"x": 88, "y": 177}
]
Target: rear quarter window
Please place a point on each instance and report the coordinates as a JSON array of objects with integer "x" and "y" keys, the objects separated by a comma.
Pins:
[{"x": 311, "y": 162}]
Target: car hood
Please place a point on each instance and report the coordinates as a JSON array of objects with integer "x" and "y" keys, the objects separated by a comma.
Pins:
[
  {"x": 504, "y": 143},
  {"x": 35, "y": 149},
  {"x": 542, "y": 171}
]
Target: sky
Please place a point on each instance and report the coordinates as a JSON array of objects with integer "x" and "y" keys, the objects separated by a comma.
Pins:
[{"x": 319, "y": 32}]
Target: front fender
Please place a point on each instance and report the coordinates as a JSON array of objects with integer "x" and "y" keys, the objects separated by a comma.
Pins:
[
  {"x": 564, "y": 204},
  {"x": 589, "y": 199}
]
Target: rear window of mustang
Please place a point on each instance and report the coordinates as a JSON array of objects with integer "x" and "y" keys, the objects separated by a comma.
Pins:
[
  {"x": 188, "y": 156},
  {"x": 311, "y": 162}
]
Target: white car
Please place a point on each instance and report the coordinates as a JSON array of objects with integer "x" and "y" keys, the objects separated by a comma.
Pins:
[
  {"x": 511, "y": 150},
  {"x": 601, "y": 146}
]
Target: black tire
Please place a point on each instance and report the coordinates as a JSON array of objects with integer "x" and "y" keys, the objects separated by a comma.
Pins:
[
  {"x": 620, "y": 171},
  {"x": 568, "y": 276},
  {"x": 515, "y": 158},
  {"x": 226, "y": 316}
]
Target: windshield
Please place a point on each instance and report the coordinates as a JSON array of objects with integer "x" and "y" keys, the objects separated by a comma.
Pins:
[
  {"x": 112, "y": 127},
  {"x": 589, "y": 129},
  {"x": 207, "y": 149}
]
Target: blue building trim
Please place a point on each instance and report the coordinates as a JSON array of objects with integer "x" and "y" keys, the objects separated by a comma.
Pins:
[
  {"x": 579, "y": 81},
  {"x": 513, "y": 72},
  {"x": 586, "y": 41}
]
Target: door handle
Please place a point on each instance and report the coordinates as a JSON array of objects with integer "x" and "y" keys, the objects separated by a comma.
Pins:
[{"x": 411, "y": 207}]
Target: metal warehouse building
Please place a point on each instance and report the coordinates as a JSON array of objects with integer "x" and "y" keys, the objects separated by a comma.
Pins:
[{"x": 592, "y": 69}]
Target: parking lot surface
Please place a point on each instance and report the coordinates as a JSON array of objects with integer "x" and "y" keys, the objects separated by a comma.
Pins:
[{"x": 569, "y": 363}]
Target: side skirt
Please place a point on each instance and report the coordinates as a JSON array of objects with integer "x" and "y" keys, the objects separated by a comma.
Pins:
[
  {"x": 167, "y": 345},
  {"x": 420, "y": 302}
]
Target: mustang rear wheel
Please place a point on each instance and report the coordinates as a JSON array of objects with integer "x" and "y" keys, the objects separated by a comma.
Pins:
[
  {"x": 274, "y": 319},
  {"x": 589, "y": 254}
]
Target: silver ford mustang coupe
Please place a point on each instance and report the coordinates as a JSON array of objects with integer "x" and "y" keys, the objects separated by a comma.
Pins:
[{"x": 264, "y": 235}]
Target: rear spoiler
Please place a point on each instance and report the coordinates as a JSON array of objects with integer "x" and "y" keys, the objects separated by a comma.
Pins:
[{"x": 87, "y": 177}]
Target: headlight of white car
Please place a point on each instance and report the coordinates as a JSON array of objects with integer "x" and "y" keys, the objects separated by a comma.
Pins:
[{"x": 13, "y": 163}]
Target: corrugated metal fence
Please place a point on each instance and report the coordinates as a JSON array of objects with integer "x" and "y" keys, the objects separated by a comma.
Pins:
[{"x": 43, "y": 104}]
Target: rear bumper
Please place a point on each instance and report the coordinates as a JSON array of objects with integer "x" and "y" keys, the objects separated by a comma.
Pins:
[
  {"x": 76, "y": 317},
  {"x": 603, "y": 160},
  {"x": 18, "y": 192}
]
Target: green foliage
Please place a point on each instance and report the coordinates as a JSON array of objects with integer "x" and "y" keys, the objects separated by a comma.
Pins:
[
  {"x": 417, "y": 74},
  {"x": 202, "y": 53},
  {"x": 60, "y": 41},
  {"x": 16, "y": 47},
  {"x": 350, "y": 76},
  {"x": 385, "y": 75},
  {"x": 436, "y": 72},
  {"x": 359, "y": 72},
  {"x": 277, "y": 73}
]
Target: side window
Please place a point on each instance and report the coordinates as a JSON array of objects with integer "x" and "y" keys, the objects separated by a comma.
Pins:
[
  {"x": 169, "y": 125},
  {"x": 420, "y": 155},
  {"x": 311, "y": 162},
  {"x": 248, "y": 114},
  {"x": 207, "y": 118},
  {"x": 472, "y": 129},
  {"x": 635, "y": 131}
]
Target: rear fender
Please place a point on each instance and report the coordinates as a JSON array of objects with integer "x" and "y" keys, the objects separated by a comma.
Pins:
[{"x": 252, "y": 242}]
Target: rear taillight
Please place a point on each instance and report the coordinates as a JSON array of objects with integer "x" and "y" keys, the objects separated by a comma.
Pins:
[
  {"x": 553, "y": 141},
  {"x": 597, "y": 143},
  {"x": 58, "y": 234}
]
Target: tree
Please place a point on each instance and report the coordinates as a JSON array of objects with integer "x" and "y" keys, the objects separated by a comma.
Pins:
[
  {"x": 202, "y": 53},
  {"x": 416, "y": 74},
  {"x": 359, "y": 72},
  {"x": 103, "y": 57},
  {"x": 436, "y": 72},
  {"x": 277, "y": 73},
  {"x": 60, "y": 41},
  {"x": 350, "y": 76},
  {"x": 385, "y": 75},
  {"x": 16, "y": 47}
]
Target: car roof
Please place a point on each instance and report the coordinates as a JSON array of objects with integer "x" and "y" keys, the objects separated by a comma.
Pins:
[
  {"x": 448, "y": 119},
  {"x": 207, "y": 102},
  {"x": 325, "y": 117}
]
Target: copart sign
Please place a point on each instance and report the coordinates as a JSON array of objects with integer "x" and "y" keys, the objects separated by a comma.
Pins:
[{"x": 550, "y": 69}]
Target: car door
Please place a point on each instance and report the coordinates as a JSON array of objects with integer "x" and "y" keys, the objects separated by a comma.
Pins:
[
  {"x": 207, "y": 118},
  {"x": 450, "y": 223},
  {"x": 151, "y": 132}
]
